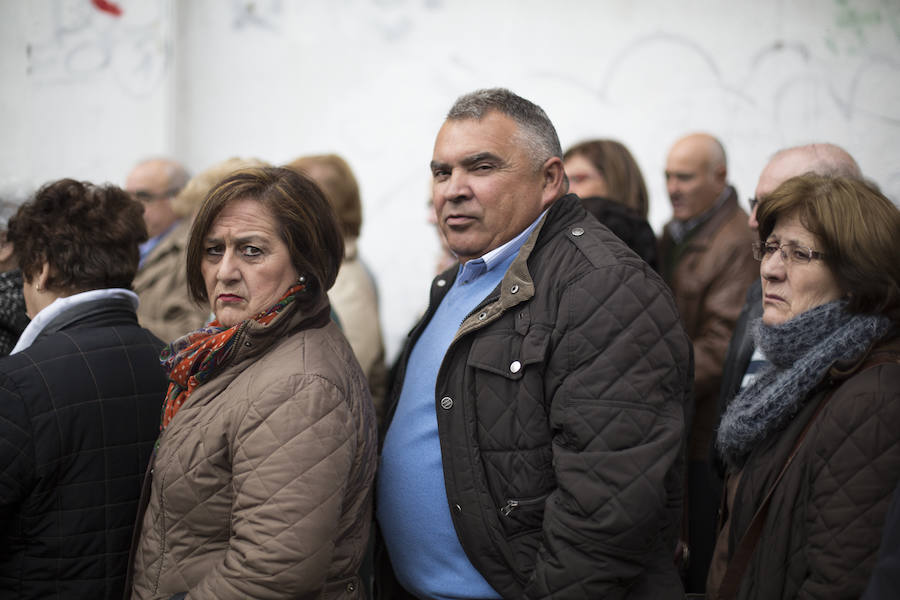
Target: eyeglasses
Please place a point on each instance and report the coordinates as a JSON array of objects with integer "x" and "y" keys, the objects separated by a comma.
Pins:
[
  {"x": 790, "y": 253},
  {"x": 148, "y": 197}
]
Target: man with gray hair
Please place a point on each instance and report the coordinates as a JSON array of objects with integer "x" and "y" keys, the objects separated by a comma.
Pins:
[
  {"x": 534, "y": 430},
  {"x": 165, "y": 306}
]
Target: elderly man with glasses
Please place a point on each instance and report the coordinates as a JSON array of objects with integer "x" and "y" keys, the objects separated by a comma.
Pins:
[{"x": 161, "y": 282}]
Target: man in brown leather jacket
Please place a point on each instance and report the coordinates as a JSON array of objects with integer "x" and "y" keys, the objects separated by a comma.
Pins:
[{"x": 707, "y": 260}]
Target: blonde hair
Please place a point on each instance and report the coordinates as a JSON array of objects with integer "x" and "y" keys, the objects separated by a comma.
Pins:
[
  {"x": 335, "y": 177},
  {"x": 188, "y": 200}
]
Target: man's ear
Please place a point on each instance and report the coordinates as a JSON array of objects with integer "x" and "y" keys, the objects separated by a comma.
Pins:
[
  {"x": 553, "y": 176},
  {"x": 721, "y": 174}
]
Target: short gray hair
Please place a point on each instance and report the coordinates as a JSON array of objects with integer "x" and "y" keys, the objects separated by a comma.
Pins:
[{"x": 537, "y": 132}]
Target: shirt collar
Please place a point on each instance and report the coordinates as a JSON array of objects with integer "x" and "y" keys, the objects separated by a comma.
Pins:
[
  {"x": 680, "y": 230},
  {"x": 147, "y": 247},
  {"x": 479, "y": 266}
]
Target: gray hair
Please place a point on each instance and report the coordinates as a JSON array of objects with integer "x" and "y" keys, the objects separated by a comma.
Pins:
[{"x": 536, "y": 130}]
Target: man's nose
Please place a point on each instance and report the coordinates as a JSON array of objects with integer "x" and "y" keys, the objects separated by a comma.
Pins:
[
  {"x": 456, "y": 188},
  {"x": 671, "y": 185}
]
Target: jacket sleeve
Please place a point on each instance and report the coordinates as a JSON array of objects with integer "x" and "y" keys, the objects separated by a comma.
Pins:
[
  {"x": 291, "y": 458},
  {"x": 17, "y": 461},
  {"x": 852, "y": 475},
  {"x": 618, "y": 431},
  {"x": 722, "y": 304}
]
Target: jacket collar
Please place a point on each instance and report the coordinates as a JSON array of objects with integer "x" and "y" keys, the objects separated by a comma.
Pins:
[
  {"x": 702, "y": 236},
  {"x": 256, "y": 339},
  {"x": 517, "y": 285},
  {"x": 94, "y": 307},
  {"x": 174, "y": 241}
]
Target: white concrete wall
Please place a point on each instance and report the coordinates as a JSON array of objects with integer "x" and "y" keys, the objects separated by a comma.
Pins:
[{"x": 85, "y": 94}]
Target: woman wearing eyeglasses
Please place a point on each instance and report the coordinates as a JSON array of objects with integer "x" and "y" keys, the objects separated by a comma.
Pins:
[{"x": 813, "y": 445}]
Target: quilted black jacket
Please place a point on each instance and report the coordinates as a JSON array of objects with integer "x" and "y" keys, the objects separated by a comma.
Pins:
[
  {"x": 821, "y": 534},
  {"x": 79, "y": 412},
  {"x": 560, "y": 407}
]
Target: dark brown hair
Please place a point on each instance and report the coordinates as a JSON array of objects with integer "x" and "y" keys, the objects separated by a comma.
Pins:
[
  {"x": 624, "y": 179},
  {"x": 335, "y": 177},
  {"x": 859, "y": 232},
  {"x": 303, "y": 218},
  {"x": 88, "y": 235}
]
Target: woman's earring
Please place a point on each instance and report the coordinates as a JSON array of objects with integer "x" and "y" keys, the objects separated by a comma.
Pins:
[{"x": 301, "y": 279}]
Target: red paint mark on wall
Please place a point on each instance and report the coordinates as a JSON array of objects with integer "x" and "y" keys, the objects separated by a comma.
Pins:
[{"x": 110, "y": 7}]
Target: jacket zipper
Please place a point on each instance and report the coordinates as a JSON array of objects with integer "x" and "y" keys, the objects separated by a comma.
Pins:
[{"x": 512, "y": 504}]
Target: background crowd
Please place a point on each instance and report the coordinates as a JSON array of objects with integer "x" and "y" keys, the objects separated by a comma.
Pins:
[{"x": 196, "y": 401}]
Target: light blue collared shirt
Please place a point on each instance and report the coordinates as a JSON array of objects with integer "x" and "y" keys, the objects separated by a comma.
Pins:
[{"x": 413, "y": 509}]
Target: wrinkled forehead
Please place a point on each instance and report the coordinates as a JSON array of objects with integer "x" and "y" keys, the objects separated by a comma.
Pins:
[{"x": 494, "y": 133}]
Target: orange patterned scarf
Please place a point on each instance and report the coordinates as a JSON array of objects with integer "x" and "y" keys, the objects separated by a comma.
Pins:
[{"x": 194, "y": 359}]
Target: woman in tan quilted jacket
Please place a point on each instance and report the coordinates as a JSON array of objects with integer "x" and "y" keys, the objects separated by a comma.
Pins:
[{"x": 260, "y": 486}]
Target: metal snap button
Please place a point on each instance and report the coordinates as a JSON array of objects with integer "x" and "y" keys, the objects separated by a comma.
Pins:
[
  {"x": 440, "y": 282},
  {"x": 482, "y": 316},
  {"x": 457, "y": 508},
  {"x": 578, "y": 231},
  {"x": 513, "y": 289},
  {"x": 446, "y": 402},
  {"x": 515, "y": 366},
  {"x": 351, "y": 587}
]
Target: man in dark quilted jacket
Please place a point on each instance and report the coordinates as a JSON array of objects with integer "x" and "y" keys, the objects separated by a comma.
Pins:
[{"x": 533, "y": 444}]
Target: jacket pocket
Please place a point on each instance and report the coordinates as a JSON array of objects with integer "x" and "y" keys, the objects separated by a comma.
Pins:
[
  {"x": 520, "y": 515},
  {"x": 508, "y": 354}
]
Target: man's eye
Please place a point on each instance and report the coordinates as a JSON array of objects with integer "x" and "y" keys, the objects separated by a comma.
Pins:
[
  {"x": 771, "y": 248},
  {"x": 251, "y": 251},
  {"x": 214, "y": 250},
  {"x": 440, "y": 175}
]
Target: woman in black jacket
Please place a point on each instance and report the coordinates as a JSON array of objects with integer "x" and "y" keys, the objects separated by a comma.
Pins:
[
  {"x": 79, "y": 397},
  {"x": 812, "y": 446}
]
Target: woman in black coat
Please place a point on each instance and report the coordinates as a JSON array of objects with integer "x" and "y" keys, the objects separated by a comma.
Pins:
[{"x": 79, "y": 397}]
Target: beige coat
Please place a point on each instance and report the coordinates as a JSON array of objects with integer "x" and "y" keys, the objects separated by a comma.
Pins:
[
  {"x": 166, "y": 309},
  {"x": 261, "y": 485},
  {"x": 355, "y": 301}
]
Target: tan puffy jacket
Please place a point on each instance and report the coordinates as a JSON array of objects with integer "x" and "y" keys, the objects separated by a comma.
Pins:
[
  {"x": 166, "y": 308},
  {"x": 261, "y": 485}
]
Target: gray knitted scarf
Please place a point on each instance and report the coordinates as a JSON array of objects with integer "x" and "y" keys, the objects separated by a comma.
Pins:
[{"x": 800, "y": 352}]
